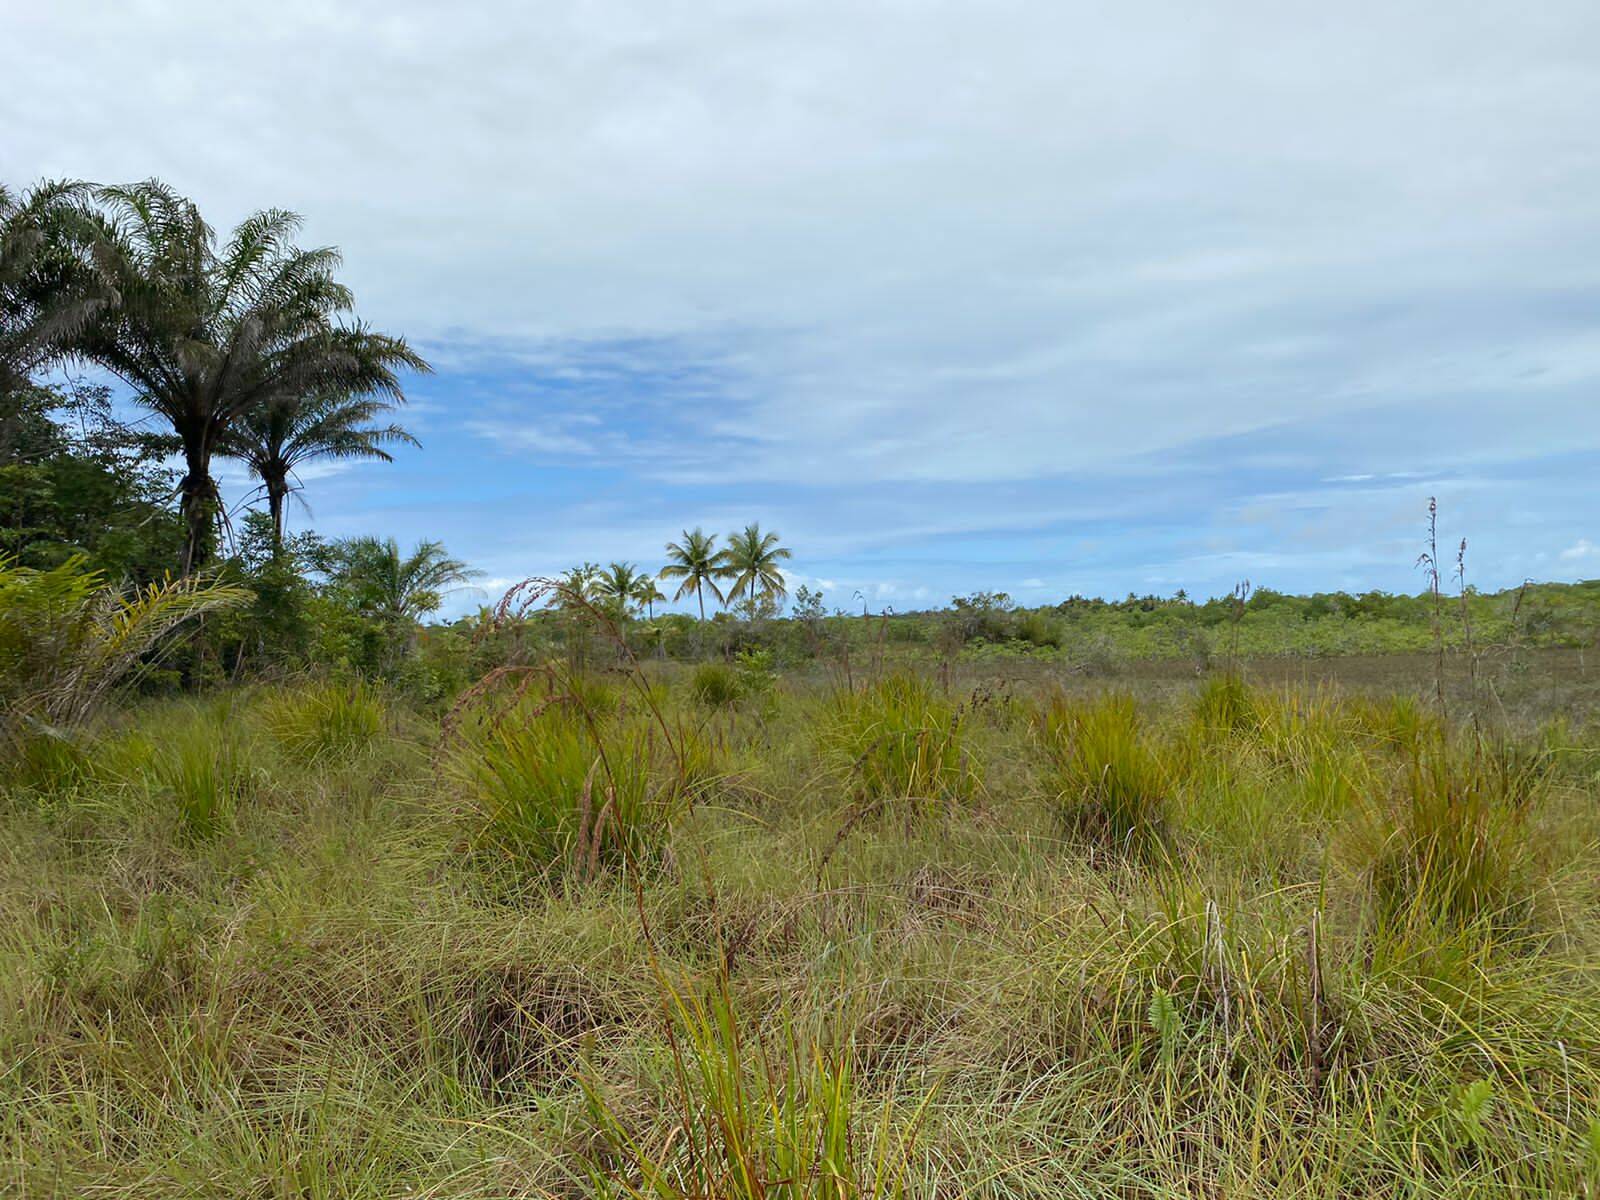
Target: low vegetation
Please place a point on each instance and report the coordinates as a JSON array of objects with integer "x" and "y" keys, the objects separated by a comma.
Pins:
[
  {"x": 906, "y": 935},
  {"x": 305, "y": 894}
]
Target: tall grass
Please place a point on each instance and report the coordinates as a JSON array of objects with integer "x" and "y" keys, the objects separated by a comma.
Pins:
[
  {"x": 1106, "y": 775},
  {"x": 750, "y": 1122},
  {"x": 899, "y": 738},
  {"x": 1456, "y": 847},
  {"x": 1351, "y": 962},
  {"x": 326, "y": 720},
  {"x": 551, "y": 784}
]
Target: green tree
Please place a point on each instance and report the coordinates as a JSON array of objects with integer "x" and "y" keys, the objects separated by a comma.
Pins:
[
  {"x": 276, "y": 437},
  {"x": 750, "y": 561},
  {"x": 648, "y": 593},
  {"x": 617, "y": 586},
  {"x": 696, "y": 562},
  {"x": 394, "y": 588},
  {"x": 49, "y": 288},
  {"x": 74, "y": 480},
  {"x": 205, "y": 334}
]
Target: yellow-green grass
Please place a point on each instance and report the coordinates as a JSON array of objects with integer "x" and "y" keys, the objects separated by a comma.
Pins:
[{"x": 1363, "y": 961}]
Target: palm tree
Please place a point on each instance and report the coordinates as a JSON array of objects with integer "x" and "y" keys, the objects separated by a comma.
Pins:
[
  {"x": 695, "y": 561},
  {"x": 581, "y": 584},
  {"x": 206, "y": 334},
  {"x": 274, "y": 438},
  {"x": 395, "y": 588},
  {"x": 48, "y": 286},
  {"x": 617, "y": 585},
  {"x": 751, "y": 562},
  {"x": 648, "y": 593}
]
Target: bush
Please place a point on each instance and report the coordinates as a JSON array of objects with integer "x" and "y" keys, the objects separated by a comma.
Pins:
[
  {"x": 715, "y": 685},
  {"x": 1039, "y": 629},
  {"x": 547, "y": 786},
  {"x": 901, "y": 740},
  {"x": 326, "y": 720},
  {"x": 1109, "y": 779}
]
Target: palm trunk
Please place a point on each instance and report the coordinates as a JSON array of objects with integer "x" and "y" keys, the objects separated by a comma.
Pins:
[
  {"x": 700, "y": 629},
  {"x": 277, "y": 493},
  {"x": 199, "y": 508}
]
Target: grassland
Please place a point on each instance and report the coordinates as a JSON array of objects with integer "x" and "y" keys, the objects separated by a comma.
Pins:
[{"x": 997, "y": 930}]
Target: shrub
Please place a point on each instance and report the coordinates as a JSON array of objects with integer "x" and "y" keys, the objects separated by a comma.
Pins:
[
  {"x": 902, "y": 740},
  {"x": 326, "y": 720},
  {"x": 1039, "y": 629},
  {"x": 715, "y": 685},
  {"x": 550, "y": 786},
  {"x": 1109, "y": 779},
  {"x": 1456, "y": 845}
]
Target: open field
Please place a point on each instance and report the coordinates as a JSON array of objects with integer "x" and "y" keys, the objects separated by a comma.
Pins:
[{"x": 1042, "y": 935}]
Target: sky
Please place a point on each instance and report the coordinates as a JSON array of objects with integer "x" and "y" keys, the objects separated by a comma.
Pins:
[{"x": 1045, "y": 297}]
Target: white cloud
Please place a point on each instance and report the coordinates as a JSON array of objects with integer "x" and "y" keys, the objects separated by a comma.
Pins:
[
  {"x": 1581, "y": 551},
  {"x": 864, "y": 265}
]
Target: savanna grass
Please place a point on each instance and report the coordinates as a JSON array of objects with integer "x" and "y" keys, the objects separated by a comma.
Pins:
[{"x": 1364, "y": 962}]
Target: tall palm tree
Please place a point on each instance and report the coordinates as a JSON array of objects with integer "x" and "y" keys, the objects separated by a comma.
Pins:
[
  {"x": 617, "y": 585},
  {"x": 695, "y": 561},
  {"x": 648, "y": 593},
  {"x": 48, "y": 285},
  {"x": 581, "y": 583},
  {"x": 274, "y": 438},
  {"x": 205, "y": 334},
  {"x": 397, "y": 588},
  {"x": 751, "y": 560}
]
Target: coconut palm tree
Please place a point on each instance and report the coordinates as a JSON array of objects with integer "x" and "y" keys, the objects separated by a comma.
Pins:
[
  {"x": 751, "y": 560},
  {"x": 394, "y": 588},
  {"x": 617, "y": 585},
  {"x": 204, "y": 334},
  {"x": 580, "y": 584},
  {"x": 695, "y": 561},
  {"x": 274, "y": 438},
  {"x": 648, "y": 593}
]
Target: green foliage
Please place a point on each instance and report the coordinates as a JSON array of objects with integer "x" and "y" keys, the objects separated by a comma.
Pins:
[
  {"x": 201, "y": 772},
  {"x": 1455, "y": 849},
  {"x": 66, "y": 640},
  {"x": 553, "y": 784},
  {"x": 756, "y": 1125},
  {"x": 714, "y": 684},
  {"x": 1225, "y": 706},
  {"x": 1108, "y": 778},
  {"x": 77, "y": 482},
  {"x": 327, "y": 720},
  {"x": 901, "y": 739}
]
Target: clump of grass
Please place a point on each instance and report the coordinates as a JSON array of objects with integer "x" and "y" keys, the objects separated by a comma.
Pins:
[
  {"x": 202, "y": 771},
  {"x": 750, "y": 1125},
  {"x": 326, "y": 720},
  {"x": 1456, "y": 851},
  {"x": 715, "y": 685},
  {"x": 1224, "y": 705},
  {"x": 903, "y": 740},
  {"x": 1108, "y": 776},
  {"x": 1399, "y": 722},
  {"x": 555, "y": 785}
]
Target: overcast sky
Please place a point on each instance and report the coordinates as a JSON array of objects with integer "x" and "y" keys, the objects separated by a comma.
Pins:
[{"x": 1043, "y": 297}]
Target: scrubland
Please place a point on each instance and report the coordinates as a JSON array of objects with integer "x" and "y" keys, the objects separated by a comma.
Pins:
[{"x": 729, "y": 932}]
